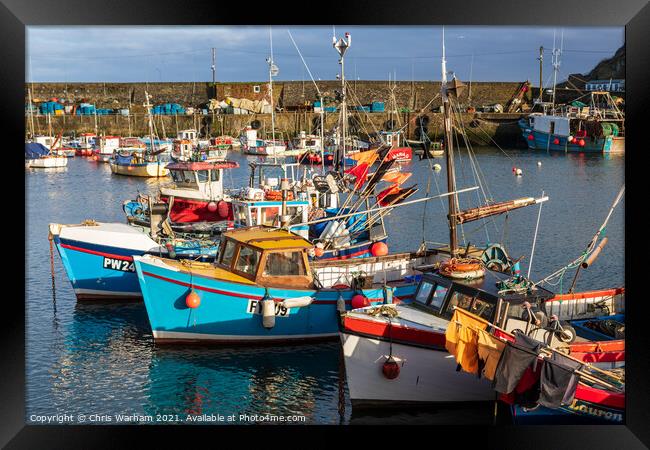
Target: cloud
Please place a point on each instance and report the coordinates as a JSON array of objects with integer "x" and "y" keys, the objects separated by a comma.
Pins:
[{"x": 183, "y": 53}]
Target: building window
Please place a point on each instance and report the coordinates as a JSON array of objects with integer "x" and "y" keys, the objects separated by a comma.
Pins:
[{"x": 256, "y": 89}]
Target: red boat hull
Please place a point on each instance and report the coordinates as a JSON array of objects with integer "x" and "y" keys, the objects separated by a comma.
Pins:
[{"x": 189, "y": 211}]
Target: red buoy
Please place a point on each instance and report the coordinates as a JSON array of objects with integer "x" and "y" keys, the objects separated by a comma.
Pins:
[
  {"x": 556, "y": 141},
  {"x": 192, "y": 300},
  {"x": 390, "y": 368},
  {"x": 379, "y": 249},
  {"x": 212, "y": 206},
  {"x": 330, "y": 157},
  {"x": 530, "y": 137},
  {"x": 223, "y": 209},
  {"x": 359, "y": 301},
  {"x": 581, "y": 143}
]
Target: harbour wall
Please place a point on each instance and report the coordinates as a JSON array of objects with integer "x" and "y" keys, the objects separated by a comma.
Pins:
[{"x": 294, "y": 98}]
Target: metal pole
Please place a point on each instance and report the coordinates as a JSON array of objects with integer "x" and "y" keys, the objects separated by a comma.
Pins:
[
  {"x": 532, "y": 252},
  {"x": 541, "y": 82}
]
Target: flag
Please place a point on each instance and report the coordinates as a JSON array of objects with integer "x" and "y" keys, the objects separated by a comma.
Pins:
[
  {"x": 396, "y": 177},
  {"x": 360, "y": 172},
  {"x": 393, "y": 188},
  {"x": 393, "y": 198},
  {"x": 366, "y": 156},
  {"x": 384, "y": 167}
]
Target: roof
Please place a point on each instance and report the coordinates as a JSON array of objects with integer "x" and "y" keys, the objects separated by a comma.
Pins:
[
  {"x": 203, "y": 165},
  {"x": 268, "y": 238},
  {"x": 488, "y": 286}
]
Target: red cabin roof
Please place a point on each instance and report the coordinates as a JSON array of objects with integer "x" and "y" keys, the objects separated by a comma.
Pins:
[{"x": 203, "y": 165}]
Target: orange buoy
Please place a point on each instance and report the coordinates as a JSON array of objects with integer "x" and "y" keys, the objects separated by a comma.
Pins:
[
  {"x": 581, "y": 142},
  {"x": 360, "y": 301},
  {"x": 318, "y": 252},
  {"x": 379, "y": 249},
  {"x": 390, "y": 368},
  {"x": 192, "y": 300}
]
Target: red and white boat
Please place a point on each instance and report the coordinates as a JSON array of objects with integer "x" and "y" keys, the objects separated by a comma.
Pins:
[
  {"x": 197, "y": 194},
  {"x": 397, "y": 356},
  {"x": 106, "y": 146}
]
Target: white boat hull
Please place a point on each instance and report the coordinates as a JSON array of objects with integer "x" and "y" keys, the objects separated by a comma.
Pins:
[
  {"x": 47, "y": 162},
  {"x": 426, "y": 375}
]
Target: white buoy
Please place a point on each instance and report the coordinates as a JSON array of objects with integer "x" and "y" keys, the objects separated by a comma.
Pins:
[
  {"x": 539, "y": 163},
  {"x": 437, "y": 167},
  {"x": 268, "y": 313},
  {"x": 519, "y": 172}
]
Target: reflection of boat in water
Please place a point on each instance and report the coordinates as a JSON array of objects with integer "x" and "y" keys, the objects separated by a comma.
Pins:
[
  {"x": 282, "y": 381},
  {"x": 105, "y": 356}
]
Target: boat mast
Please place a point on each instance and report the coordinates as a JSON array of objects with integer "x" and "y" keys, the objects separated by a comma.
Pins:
[
  {"x": 273, "y": 71},
  {"x": 556, "y": 62},
  {"x": 451, "y": 177},
  {"x": 341, "y": 46},
  {"x": 31, "y": 113},
  {"x": 147, "y": 106}
]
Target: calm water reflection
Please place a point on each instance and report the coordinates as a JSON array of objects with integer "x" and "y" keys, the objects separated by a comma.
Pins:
[{"x": 99, "y": 358}]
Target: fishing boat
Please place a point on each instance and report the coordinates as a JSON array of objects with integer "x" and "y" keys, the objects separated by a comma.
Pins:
[
  {"x": 137, "y": 164},
  {"x": 598, "y": 127},
  {"x": 86, "y": 143},
  {"x": 40, "y": 157},
  {"x": 140, "y": 161},
  {"x": 98, "y": 256},
  {"x": 264, "y": 288},
  {"x": 105, "y": 147}
]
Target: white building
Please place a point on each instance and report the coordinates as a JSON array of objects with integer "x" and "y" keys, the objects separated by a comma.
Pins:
[{"x": 606, "y": 85}]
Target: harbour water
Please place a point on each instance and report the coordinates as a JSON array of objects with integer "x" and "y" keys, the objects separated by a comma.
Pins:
[{"x": 99, "y": 358}]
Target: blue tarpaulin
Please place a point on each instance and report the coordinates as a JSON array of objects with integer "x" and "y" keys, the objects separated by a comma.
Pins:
[{"x": 34, "y": 150}]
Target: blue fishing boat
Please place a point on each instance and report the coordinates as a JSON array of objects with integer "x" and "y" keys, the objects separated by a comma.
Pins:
[
  {"x": 264, "y": 288},
  {"x": 98, "y": 257},
  {"x": 598, "y": 128}
]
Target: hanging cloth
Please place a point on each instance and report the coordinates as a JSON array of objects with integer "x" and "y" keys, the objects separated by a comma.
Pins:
[
  {"x": 558, "y": 381},
  {"x": 516, "y": 358},
  {"x": 463, "y": 339},
  {"x": 490, "y": 350}
]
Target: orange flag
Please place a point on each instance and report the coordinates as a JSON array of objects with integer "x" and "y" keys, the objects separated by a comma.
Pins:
[
  {"x": 396, "y": 177},
  {"x": 369, "y": 156}
]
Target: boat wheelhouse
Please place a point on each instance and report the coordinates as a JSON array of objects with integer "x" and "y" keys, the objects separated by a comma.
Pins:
[{"x": 197, "y": 194}]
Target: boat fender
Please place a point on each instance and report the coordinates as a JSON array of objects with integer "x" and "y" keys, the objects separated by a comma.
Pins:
[
  {"x": 268, "y": 313},
  {"x": 437, "y": 167},
  {"x": 297, "y": 302},
  {"x": 390, "y": 368},
  {"x": 340, "y": 303},
  {"x": 212, "y": 206}
]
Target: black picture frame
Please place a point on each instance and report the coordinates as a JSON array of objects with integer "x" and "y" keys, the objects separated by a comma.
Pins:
[{"x": 15, "y": 15}]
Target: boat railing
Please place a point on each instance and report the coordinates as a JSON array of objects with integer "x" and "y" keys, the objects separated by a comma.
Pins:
[{"x": 586, "y": 305}]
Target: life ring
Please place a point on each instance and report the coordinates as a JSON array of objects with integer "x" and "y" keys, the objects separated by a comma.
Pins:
[{"x": 462, "y": 268}]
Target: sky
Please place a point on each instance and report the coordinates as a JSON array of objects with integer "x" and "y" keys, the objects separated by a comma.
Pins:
[{"x": 183, "y": 53}]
